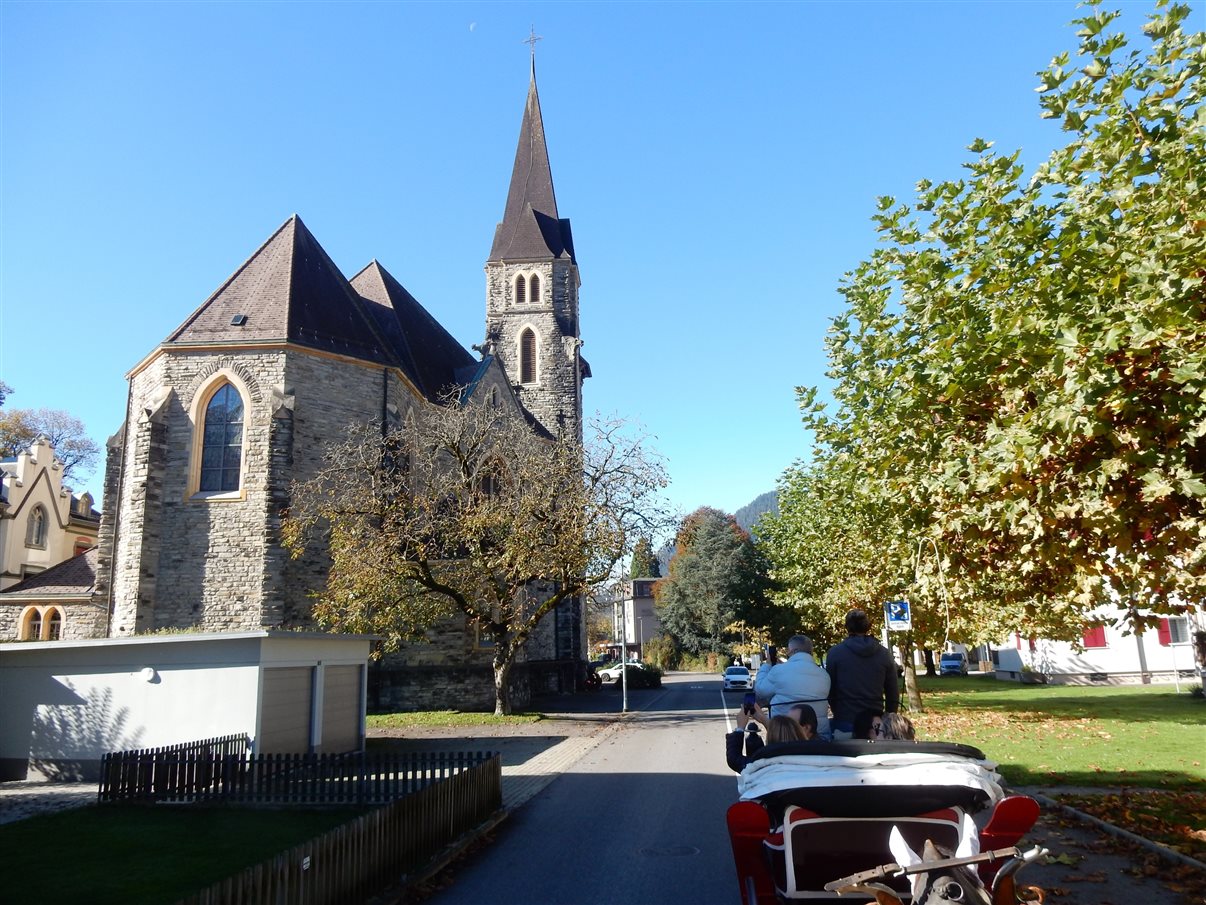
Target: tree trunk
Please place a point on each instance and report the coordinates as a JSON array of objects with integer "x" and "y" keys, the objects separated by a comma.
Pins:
[
  {"x": 910, "y": 674},
  {"x": 929, "y": 663},
  {"x": 502, "y": 683}
]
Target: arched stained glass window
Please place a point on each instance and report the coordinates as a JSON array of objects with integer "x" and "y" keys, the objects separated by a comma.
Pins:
[
  {"x": 222, "y": 442},
  {"x": 527, "y": 356}
]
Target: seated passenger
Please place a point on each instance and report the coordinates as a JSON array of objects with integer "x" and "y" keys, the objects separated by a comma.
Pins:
[
  {"x": 746, "y": 734},
  {"x": 784, "y": 729},
  {"x": 898, "y": 728},
  {"x": 807, "y": 718},
  {"x": 868, "y": 725}
]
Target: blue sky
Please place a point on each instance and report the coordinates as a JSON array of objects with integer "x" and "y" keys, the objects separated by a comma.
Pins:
[{"x": 719, "y": 161}]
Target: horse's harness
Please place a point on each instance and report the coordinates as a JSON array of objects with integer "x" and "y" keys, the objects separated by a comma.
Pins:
[{"x": 865, "y": 881}]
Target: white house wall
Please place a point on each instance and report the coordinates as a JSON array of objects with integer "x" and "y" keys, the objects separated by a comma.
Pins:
[
  {"x": 63, "y": 705},
  {"x": 1124, "y": 659}
]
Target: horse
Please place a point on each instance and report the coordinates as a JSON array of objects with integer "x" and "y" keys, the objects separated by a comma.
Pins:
[{"x": 938, "y": 878}]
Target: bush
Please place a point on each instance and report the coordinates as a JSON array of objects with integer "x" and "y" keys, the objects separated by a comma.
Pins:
[
  {"x": 659, "y": 652},
  {"x": 646, "y": 677}
]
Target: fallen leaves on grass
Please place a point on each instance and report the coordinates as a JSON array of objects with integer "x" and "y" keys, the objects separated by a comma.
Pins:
[{"x": 1176, "y": 819}]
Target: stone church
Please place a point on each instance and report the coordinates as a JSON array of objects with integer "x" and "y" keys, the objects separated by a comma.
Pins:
[{"x": 238, "y": 401}]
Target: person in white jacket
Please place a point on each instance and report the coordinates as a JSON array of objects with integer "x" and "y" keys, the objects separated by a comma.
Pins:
[{"x": 798, "y": 680}]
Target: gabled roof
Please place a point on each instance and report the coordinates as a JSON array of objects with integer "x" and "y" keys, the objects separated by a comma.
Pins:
[
  {"x": 426, "y": 352},
  {"x": 530, "y": 229},
  {"x": 288, "y": 291},
  {"x": 74, "y": 577}
]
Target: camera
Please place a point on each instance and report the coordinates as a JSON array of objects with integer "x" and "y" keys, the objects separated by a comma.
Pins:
[{"x": 748, "y": 703}]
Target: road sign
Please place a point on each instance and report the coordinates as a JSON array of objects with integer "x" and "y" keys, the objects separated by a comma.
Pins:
[{"x": 896, "y": 614}]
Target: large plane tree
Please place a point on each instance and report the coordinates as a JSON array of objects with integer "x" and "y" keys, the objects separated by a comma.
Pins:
[{"x": 1019, "y": 373}]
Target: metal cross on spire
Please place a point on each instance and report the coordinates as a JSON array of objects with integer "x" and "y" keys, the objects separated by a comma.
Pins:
[{"x": 531, "y": 40}]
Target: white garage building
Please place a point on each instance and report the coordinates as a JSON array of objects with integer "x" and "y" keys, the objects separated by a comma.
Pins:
[{"x": 65, "y": 704}]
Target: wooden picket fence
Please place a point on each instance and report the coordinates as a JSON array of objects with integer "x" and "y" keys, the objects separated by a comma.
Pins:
[
  {"x": 373, "y": 853},
  {"x": 170, "y": 773},
  {"x": 209, "y": 772}
]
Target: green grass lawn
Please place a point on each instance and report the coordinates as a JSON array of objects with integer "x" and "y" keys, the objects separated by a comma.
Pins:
[
  {"x": 1045, "y": 735},
  {"x": 125, "y": 855},
  {"x": 448, "y": 718}
]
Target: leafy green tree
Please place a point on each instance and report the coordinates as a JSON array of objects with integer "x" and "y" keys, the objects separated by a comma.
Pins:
[
  {"x": 1020, "y": 371},
  {"x": 717, "y": 577},
  {"x": 467, "y": 510},
  {"x": 644, "y": 561},
  {"x": 660, "y": 652}
]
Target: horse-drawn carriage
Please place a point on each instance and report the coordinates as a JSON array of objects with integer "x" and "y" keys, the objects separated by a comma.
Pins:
[{"x": 823, "y": 820}]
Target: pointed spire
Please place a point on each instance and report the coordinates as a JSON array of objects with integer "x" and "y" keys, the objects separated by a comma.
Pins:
[{"x": 530, "y": 228}]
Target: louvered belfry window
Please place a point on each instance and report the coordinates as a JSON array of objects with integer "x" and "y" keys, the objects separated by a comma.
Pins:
[
  {"x": 222, "y": 445},
  {"x": 520, "y": 290},
  {"x": 534, "y": 290},
  {"x": 527, "y": 357}
]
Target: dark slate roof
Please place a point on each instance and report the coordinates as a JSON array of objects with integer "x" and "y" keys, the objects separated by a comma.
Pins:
[
  {"x": 427, "y": 353},
  {"x": 70, "y": 578},
  {"x": 530, "y": 229},
  {"x": 289, "y": 290}
]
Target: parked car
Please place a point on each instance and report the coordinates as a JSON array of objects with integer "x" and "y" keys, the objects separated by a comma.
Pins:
[
  {"x": 639, "y": 675},
  {"x": 952, "y": 663},
  {"x": 738, "y": 678}
]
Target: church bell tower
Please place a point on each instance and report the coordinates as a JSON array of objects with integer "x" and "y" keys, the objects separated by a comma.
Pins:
[{"x": 532, "y": 288}]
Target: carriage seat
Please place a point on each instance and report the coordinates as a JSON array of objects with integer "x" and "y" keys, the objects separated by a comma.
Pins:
[{"x": 815, "y": 850}]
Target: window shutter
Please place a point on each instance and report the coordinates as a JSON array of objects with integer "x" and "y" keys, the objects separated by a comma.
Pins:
[
  {"x": 520, "y": 291},
  {"x": 534, "y": 291},
  {"x": 1164, "y": 632},
  {"x": 1094, "y": 637},
  {"x": 527, "y": 357}
]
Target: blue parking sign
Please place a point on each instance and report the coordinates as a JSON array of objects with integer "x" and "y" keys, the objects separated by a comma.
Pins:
[{"x": 896, "y": 614}]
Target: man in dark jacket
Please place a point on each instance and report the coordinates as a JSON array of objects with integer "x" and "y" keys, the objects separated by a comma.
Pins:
[{"x": 862, "y": 676}]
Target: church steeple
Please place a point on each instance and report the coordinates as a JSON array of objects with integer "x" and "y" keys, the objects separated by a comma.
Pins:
[
  {"x": 532, "y": 288},
  {"x": 531, "y": 229}
]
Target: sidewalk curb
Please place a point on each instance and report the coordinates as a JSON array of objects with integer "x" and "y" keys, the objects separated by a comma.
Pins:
[{"x": 1155, "y": 847}]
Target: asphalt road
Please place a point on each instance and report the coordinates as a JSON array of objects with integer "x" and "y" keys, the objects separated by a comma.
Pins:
[{"x": 640, "y": 818}]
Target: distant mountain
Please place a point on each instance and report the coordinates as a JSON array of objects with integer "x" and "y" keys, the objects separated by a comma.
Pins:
[
  {"x": 747, "y": 516},
  {"x": 664, "y": 555}
]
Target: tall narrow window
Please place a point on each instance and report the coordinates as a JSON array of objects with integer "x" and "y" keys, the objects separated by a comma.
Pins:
[
  {"x": 520, "y": 290},
  {"x": 222, "y": 443},
  {"x": 35, "y": 528},
  {"x": 33, "y": 626},
  {"x": 534, "y": 290},
  {"x": 54, "y": 626},
  {"x": 527, "y": 356}
]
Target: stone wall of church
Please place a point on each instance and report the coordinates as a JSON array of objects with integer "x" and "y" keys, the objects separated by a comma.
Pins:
[
  {"x": 184, "y": 561},
  {"x": 555, "y": 398},
  {"x": 329, "y": 394}
]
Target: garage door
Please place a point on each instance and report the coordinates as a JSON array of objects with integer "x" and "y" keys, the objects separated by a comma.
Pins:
[
  {"x": 285, "y": 712},
  {"x": 341, "y": 709}
]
